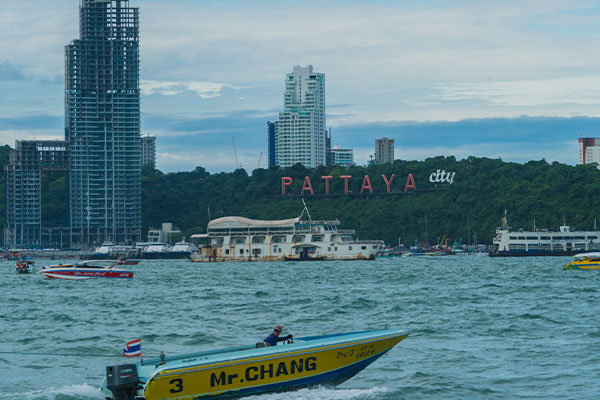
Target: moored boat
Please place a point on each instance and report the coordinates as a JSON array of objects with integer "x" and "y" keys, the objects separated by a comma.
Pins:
[
  {"x": 293, "y": 239},
  {"x": 250, "y": 370},
  {"x": 86, "y": 270},
  {"x": 585, "y": 261},
  {"x": 110, "y": 251},
  {"x": 542, "y": 242}
]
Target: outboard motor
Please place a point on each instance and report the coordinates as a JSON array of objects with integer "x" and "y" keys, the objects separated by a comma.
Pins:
[{"x": 122, "y": 380}]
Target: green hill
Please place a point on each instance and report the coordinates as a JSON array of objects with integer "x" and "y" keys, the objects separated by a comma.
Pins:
[{"x": 482, "y": 189}]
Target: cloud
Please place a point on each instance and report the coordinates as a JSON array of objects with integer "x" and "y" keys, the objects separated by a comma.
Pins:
[
  {"x": 10, "y": 72},
  {"x": 572, "y": 90},
  {"x": 204, "y": 90}
]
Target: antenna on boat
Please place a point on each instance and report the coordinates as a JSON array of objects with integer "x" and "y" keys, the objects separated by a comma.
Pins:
[
  {"x": 595, "y": 227},
  {"x": 305, "y": 209}
]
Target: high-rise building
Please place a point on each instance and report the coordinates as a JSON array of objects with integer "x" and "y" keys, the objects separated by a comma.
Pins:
[
  {"x": 271, "y": 138},
  {"x": 589, "y": 151},
  {"x": 384, "y": 151},
  {"x": 149, "y": 151},
  {"x": 342, "y": 157},
  {"x": 301, "y": 134},
  {"x": 27, "y": 163},
  {"x": 102, "y": 124}
]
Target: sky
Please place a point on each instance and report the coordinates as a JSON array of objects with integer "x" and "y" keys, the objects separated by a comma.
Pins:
[{"x": 517, "y": 80}]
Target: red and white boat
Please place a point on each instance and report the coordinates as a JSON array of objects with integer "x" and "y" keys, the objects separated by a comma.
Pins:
[{"x": 86, "y": 270}]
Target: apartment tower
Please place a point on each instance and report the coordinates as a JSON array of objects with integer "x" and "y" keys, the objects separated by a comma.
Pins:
[
  {"x": 589, "y": 151},
  {"x": 102, "y": 124},
  {"x": 384, "y": 150},
  {"x": 301, "y": 134}
]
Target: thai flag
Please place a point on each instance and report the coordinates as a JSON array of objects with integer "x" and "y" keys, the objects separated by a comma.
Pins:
[{"x": 133, "y": 348}]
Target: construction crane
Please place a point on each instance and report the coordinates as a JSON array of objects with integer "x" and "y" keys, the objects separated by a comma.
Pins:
[{"x": 237, "y": 164}]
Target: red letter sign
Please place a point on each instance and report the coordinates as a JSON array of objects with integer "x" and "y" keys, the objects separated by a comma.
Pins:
[
  {"x": 345, "y": 178},
  {"x": 410, "y": 183},
  {"x": 307, "y": 186},
  {"x": 366, "y": 184},
  {"x": 285, "y": 181},
  {"x": 388, "y": 183},
  {"x": 327, "y": 178}
]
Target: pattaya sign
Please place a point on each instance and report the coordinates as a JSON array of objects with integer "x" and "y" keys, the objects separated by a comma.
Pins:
[{"x": 367, "y": 187}]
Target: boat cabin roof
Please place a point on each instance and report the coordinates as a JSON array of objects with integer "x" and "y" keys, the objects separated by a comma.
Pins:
[
  {"x": 587, "y": 256},
  {"x": 242, "y": 222}
]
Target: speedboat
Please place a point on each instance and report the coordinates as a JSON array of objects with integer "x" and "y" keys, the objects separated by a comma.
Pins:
[
  {"x": 128, "y": 261},
  {"x": 86, "y": 270},
  {"x": 250, "y": 370},
  {"x": 24, "y": 266},
  {"x": 585, "y": 261}
]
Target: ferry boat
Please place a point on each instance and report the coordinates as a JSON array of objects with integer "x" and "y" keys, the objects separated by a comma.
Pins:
[
  {"x": 182, "y": 249},
  {"x": 542, "y": 242},
  {"x": 160, "y": 251},
  {"x": 244, "y": 239},
  {"x": 110, "y": 251},
  {"x": 250, "y": 370},
  {"x": 86, "y": 270}
]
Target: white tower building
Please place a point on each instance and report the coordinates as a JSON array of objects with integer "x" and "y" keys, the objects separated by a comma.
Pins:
[
  {"x": 301, "y": 131},
  {"x": 589, "y": 151}
]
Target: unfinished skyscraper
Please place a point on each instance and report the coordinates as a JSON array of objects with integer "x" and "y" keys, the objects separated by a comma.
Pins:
[{"x": 102, "y": 124}]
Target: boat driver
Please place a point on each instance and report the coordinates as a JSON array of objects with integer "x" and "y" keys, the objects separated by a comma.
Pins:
[{"x": 273, "y": 338}]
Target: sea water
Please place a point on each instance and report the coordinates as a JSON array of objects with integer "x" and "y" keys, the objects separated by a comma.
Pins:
[{"x": 480, "y": 328}]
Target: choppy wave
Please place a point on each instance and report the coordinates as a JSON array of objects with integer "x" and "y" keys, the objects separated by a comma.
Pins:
[
  {"x": 479, "y": 327},
  {"x": 73, "y": 392}
]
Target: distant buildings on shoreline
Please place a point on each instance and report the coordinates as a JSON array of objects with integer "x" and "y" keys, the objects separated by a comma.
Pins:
[
  {"x": 300, "y": 135},
  {"x": 589, "y": 151},
  {"x": 102, "y": 153},
  {"x": 384, "y": 151}
]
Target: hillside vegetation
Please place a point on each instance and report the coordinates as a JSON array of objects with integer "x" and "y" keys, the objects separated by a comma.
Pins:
[{"x": 482, "y": 189}]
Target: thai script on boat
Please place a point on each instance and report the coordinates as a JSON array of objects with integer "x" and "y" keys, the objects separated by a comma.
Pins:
[{"x": 265, "y": 371}]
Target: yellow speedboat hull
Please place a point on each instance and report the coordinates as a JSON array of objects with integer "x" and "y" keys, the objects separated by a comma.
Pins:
[
  {"x": 589, "y": 260},
  {"x": 583, "y": 264},
  {"x": 318, "y": 360}
]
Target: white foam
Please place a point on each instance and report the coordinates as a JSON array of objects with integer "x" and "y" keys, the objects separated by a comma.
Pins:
[
  {"x": 86, "y": 391},
  {"x": 323, "y": 393}
]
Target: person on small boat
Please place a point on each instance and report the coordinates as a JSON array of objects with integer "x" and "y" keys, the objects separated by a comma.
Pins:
[{"x": 273, "y": 338}]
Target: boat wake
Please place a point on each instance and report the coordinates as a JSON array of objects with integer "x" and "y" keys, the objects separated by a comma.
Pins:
[
  {"x": 74, "y": 392},
  {"x": 324, "y": 393}
]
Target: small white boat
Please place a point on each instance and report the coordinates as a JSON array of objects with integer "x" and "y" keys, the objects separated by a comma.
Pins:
[{"x": 86, "y": 270}]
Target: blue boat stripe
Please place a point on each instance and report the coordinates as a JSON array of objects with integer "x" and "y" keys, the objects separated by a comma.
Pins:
[{"x": 283, "y": 355}]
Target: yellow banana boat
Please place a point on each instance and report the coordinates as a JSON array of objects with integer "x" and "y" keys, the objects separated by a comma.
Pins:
[{"x": 250, "y": 370}]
